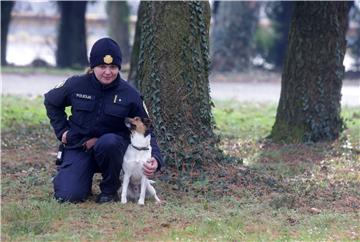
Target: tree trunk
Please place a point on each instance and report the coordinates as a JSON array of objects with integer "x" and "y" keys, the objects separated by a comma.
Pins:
[
  {"x": 309, "y": 106},
  {"x": 233, "y": 34},
  {"x": 136, "y": 46},
  {"x": 71, "y": 48},
  {"x": 6, "y": 8},
  {"x": 173, "y": 76},
  {"x": 118, "y": 16}
]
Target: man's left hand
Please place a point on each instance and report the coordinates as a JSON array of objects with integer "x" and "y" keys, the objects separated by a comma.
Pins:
[{"x": 150, "y": 167}]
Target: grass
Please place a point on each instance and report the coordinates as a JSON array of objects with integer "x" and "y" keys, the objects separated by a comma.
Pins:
[
  {"x": 244, "y": 120},
  {"x": 284, "y": 192},
  {"x": 22, "y": 112}
]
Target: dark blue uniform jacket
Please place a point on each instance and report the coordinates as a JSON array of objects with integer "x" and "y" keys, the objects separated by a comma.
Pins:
[{"x": 96, "y": 109}]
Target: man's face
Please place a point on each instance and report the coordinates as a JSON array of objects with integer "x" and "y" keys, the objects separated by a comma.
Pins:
[{"x": 106, "y": 74}]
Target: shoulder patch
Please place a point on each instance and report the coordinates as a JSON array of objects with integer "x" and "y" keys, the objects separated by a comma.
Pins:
[{"x": 60, "y": 84}]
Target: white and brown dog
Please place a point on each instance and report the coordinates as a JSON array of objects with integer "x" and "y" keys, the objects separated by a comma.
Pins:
[{"x": 137, "y": 153}]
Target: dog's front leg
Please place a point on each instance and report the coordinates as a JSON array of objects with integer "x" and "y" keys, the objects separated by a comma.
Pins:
[
  {"x": 125, "y": 188},
  {"x": 142, "y": 191}
]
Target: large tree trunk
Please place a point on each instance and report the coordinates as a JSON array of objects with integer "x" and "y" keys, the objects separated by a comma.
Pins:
[
  {"x": 118, "y": 16},
  {"x": 136, "y": 45},
  {"x": 173, "y": 76},
  {"x": 6, "y": 8},
  {"x": 71, "y": 48},
  {"x": 233, "y": 34},
  {"x": 309, "y": 106}
]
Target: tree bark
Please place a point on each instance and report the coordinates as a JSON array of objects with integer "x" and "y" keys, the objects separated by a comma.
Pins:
[
  {"x": 136, "y": 46},
  {"x": 309, "y": 106},
  {"x": 6, "y": 8},
  {"x": 233, "y": 34},
  {"x": 118, "y": 16},
  {"x": 71, "y": 48},
  {"x": 173, "y": 76}
]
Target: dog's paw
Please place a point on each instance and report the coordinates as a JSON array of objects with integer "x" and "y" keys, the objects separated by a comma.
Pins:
[
  {"x": 123, "y": 200},
  {"x": 141, "y": 202}
]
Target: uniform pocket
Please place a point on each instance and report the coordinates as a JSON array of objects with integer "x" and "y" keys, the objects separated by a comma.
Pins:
[
  {"x": 82, "y": 112},
  {"x": 83, "y": 105},
  {"x": 116, "y": 110}
]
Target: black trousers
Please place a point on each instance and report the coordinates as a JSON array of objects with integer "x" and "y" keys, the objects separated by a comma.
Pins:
[{"x": 73, "y": 181}]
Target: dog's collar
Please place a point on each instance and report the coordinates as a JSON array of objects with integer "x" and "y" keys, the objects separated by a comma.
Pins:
[{"x": 140, "y": 148}]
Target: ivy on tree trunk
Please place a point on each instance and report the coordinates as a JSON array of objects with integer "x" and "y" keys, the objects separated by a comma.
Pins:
[{"x": 172, "y": 73}]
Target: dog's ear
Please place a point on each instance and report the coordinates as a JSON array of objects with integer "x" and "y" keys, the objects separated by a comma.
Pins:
[
  {"x": 128, "y": 124},
  {"x": 147, "y": 122}
]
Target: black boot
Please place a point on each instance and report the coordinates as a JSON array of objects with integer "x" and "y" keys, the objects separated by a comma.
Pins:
[{"x": 107, "y": 198}]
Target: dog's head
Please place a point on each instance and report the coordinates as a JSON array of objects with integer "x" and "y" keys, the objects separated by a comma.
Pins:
[{"x": 138, "y": 125}]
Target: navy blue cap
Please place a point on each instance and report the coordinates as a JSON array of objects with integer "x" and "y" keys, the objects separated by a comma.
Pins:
[{"x": 105, "y": 51}]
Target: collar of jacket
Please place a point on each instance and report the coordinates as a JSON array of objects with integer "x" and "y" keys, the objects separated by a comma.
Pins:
[{"x": 98, "y": 84}]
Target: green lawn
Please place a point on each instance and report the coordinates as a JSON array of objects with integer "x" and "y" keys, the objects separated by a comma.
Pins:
[{"x": 282, "y": 192}]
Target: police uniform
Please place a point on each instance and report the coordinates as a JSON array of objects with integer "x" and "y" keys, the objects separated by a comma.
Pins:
[{"x": 99, "y": 111}]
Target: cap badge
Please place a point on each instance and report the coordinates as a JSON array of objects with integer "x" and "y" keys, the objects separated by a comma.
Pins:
[{"x": 108, "y": 59}]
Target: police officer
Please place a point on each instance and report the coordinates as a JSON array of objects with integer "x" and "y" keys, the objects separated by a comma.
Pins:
[{"x": 95, "y": 136}]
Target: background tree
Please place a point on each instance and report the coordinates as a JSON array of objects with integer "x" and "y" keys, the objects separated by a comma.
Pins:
[
  {"x": 118, "y": 16},
  {"x": 354, "y": 44},
  {"x": 233, "y": 35},
  {"x": 132, "y": 77},
  {"x": 280, "y": 15},
  {"x": 71, "y": 44},
  {"x": 309, "y": 106},
  {"x": 173, "y": 71},
  {"x": 6, "y": 8}
]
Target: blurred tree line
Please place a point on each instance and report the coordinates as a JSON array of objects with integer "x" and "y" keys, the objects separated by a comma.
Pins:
[
  {"x": 71, "y": 51},
  {"x": 239, "y": 40},
  {"x": 170, "y": 65}
]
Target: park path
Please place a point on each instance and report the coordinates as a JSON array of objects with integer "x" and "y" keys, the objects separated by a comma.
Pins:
[{"x": 269, "y": 92}]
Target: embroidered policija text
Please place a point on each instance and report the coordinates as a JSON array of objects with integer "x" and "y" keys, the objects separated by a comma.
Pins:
[{"x": 79, "y": 95}]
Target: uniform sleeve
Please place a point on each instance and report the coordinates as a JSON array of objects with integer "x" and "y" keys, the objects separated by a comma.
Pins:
[
  {"x": 141, "y": 112},
  {"x": 55, "y": 102}
]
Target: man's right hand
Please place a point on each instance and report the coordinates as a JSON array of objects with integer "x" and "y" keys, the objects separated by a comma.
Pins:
[
  {"x": 63, "y": 138},
  {"x": 90, "y": 143}
]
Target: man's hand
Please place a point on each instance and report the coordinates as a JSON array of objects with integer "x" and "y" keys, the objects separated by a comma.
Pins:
[
  {"x": 150, "y": 167},
  {"x": 90, "y": 143},
  {"x": 63, "y": 137}
]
